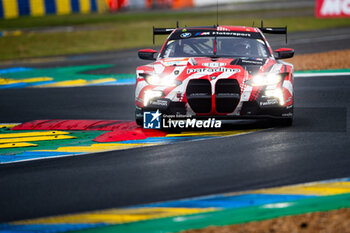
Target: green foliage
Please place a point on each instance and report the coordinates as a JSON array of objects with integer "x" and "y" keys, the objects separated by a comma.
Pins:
[{"x": 107, "y": 32}]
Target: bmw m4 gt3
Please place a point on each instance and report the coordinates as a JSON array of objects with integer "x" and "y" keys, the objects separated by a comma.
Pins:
[{"x": 227, "y": 72}]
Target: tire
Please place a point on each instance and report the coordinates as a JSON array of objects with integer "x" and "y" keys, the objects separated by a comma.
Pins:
[
  {"x": 286, "y": 122},
  {"x": 139, "y": 121}
]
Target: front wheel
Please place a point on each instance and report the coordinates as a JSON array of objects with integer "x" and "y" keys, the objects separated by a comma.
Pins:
[
  {"x": 285, "y": 122},
  {"x": 139, "y": 117},
  {"x": 139, "y": 121}
]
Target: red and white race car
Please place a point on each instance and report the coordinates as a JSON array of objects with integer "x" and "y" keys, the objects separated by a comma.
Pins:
[{"x": 225, "y": 72}]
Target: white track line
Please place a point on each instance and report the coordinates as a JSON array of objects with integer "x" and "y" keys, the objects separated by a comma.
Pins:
[{"x": 306, "y": 75}]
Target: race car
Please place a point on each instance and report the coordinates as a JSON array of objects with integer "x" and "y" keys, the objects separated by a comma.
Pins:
[{"x": 226, "y": 72}]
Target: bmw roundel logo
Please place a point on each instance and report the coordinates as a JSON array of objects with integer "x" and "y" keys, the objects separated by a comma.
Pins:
[{"x": 186, "y": 35}]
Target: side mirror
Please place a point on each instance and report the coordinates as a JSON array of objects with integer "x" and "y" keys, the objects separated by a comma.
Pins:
[
  {"x": 147, "y": 54},
  {"x": 284, "y": 53}
]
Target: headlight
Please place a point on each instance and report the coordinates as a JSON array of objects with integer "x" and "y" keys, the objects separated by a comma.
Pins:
[
  {"x": 265, "y": 80},
  {"x": 149, "y": 95},
  {"x": 276, "y": 93},
  {"x": 158, "y": 81}
]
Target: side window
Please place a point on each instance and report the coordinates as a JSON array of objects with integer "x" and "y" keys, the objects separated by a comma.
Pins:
[
  {"x": 170, "y": 50},
  {"x": 262, "y": 50}
]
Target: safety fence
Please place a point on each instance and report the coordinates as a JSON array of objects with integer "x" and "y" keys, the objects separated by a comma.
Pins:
[
  {"x": 16, "y": 8},
  {"x": 115, "y": 5},
  {"x": 172, "y": 4}
]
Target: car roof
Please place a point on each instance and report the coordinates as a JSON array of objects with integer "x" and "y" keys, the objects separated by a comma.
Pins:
[
  {"x": 223, "y": 28},
  {"x": 204, "y": 31}
]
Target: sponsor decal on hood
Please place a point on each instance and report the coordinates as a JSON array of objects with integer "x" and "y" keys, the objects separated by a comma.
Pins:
[
  {"x": 214, "y": 64},
  {"x": 249, "y": 61},
  {"x": 212, "y": 70},
  {"x": 175, "y": 61}
]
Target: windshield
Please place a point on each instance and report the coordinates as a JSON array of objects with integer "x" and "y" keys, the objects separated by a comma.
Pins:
[{"x": 226, "y": 47}]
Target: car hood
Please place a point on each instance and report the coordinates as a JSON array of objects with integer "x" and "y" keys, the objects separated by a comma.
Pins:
[{"x": 182, "y": 68}]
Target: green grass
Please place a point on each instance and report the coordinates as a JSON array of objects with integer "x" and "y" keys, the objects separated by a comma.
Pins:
[
  {"x": 120, "y": 18},
  {"x": 122, "y": 31}
]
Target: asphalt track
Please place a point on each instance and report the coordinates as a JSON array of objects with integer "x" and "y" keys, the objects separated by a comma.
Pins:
[{"x": 317, "y": 147}]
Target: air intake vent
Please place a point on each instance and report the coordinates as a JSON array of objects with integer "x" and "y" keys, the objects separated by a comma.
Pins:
[
  {"x": 199, "y": 95},
  {"x": 227, "y": 95}
]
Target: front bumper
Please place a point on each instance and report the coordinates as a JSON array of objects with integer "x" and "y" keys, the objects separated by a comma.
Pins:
[{"x": 259, "y": 109}]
